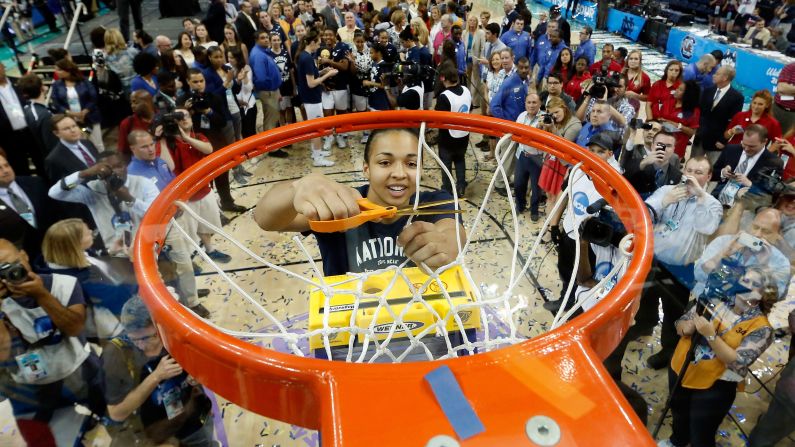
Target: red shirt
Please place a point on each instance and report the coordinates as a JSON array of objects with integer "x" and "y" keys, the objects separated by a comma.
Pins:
[
  {"x": 573, "y": 87},
  {"x": 659, "y": 95},
  {"x": 185, "y": 156},
  {"x": 789, "y": 168},
  {"x": 614, "y": 67},
  {"x": 743, "y": 119},
  {"x": 787, "y": 75},
  {"x": 126, "y": 126},
  {"x": 672, "y": 113},
  {"x": 642, "y": 87}
]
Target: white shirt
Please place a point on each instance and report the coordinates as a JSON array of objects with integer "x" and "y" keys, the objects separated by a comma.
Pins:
[
  {"x": 75, "y": 149},
  {"x": 95, "y": 196},
  {"x": 17, "y": 190},
  {"x": 531, "y": 122},
  {"x": 720, "y": 92},
  {"x": 12, "y": 106}
]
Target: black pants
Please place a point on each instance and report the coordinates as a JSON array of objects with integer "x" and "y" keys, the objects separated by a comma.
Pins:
[
  {"x": 124, "y": 7},
  {"x": 86, "y": 384},
  {"x": 779, "y": 420},
  {"x": 697, "y": 414},
  {"x": 46, "y": 14},
  {"x": 220, "y": 139},
  {"x": 528, "y": 170},
  {"x": 662, "y": 284},
  {"x": 452, "y": 151}
]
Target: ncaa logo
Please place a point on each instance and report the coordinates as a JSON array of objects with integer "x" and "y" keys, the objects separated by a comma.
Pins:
[
  {"x": 580, "y": 203},
  {"x": 602, "y": 269},
  {"x": 688, "y": 46},
  {"x": 463, "y": 109}
]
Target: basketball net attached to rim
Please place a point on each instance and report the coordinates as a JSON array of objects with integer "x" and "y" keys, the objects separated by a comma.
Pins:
[{"x": 548, "y": 390}]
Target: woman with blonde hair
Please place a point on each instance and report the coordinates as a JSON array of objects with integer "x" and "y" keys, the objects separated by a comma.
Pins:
[
  {"x": 564, "y": 124},
  {"x": 638, "y": 82},
  {"x": 119, "y": 57},
  {"x": 107, "y": 283},
  {"x": 420, "y": 30},
  {"x": 434, "y": 22},
  {"x": 203, "y": 37},
  {"x": 474, "y": 40}
]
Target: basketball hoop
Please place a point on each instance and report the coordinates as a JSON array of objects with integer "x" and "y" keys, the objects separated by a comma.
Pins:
[{"x": 548, "y": 390}]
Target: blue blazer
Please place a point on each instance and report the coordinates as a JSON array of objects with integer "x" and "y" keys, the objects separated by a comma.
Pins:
[{"x": 85, "y": 92}]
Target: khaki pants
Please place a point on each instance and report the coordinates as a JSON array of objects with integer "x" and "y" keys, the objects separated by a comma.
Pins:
[
  {"x": 509, "y": 164},
  {"x": 270, "y": 109}
]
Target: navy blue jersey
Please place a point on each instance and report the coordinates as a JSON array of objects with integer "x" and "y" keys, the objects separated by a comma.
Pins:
[{"x": 306, "y": 66}]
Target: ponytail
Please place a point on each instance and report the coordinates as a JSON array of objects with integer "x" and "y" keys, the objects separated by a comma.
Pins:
[{"x": 310, "y": 37}]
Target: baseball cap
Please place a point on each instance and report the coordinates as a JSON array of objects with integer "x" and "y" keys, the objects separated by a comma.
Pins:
[{"x": 602, "y": 140}]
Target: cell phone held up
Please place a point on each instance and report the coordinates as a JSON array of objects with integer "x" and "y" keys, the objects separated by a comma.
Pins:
[{"x": 751, "y": 242}]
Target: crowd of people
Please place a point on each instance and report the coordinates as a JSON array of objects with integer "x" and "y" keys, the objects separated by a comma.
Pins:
[
  {"x": 761, "y": 24},
  {"x": 719, "y": 182}
]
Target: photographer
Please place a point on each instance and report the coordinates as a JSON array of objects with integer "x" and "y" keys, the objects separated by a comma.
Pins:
[
  {"x": 117, "y": 201},
  {"x": 685, "y": 217},
  {"x": 143, "y": 381},
  {"x": 206, "y": 111},
  {"x": 741, "y": 165},
  {"x": 731, "y": 336},
  {"x": 607, "y": 66},
  {"x": 657, "y": 168},
  {"x": 599, "y": 123},
  {"x": 639, "y": 151},
  {"x": 453, "y": 143},
  {"x": 41, "y": 341},
  {"x": 613, "y": 90},
  {"x": 564, "y": 124},
  {"x": 420, "y": 83}
]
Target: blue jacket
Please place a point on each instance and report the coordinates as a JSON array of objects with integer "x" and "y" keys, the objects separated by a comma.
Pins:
[
  {"x": 542, "y": 43},
  {"x": 587, "y": 49},
  {"x": 461, "y": 57},
  {"x": 547, "y": 59},
  {"x": 85, "y": 92},
  {"x": 256, "y": 60},
  {"x": 520, "y": 43},
  {"x": 691, "y": 73},
  {"x": 508, "y": 103}
]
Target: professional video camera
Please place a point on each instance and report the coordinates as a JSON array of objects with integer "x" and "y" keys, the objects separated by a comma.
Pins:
[
  {"x": 637, "y": 123},
  {"x": 114, "y": 182},
  {"x": 604, "y": 228},
  {"x": 199, "y": 100},
  {"x": 170, "y": 123},
  {"x": 603, "y": 83},
  {"x": 770, "y": 182},
  {"x": 13, "y": 272},
  {"x": 410, "y": 71}
]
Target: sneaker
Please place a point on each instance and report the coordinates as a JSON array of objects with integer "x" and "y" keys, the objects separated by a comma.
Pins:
[
  {"x": 196, "y": 270},
  {"x": 320, "y": 161},
  {"x": 461, "y": 190},
  {"x": 201, "y": 293},
  {"x": 322, "y": 153},
  {"x": 659, "y": 360},
  {"x": 327, "y": 143},
  {"x": 342, "y": 142},
  {"x": 246, "y": 173},
  {"x": 534, "y": 217},
  {"x": 219, "y": 256},
  {"x": 365, "y": 138},
  {"x": 200, "y": 310},
  {"x": 278, "y": 153},
  {"x": 501, "y": 191},
  {"x": 239, "y": 177}
]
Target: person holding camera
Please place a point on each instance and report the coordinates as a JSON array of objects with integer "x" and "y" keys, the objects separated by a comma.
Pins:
[
  {"x": 599, "y": 122},
  {"x": 207, "y": 112},
  {"x": 607, "y": 66},
  {"x": 561, "y": 122},
  {"x": 730, "y": 331},
  {"x": 610, "y": 90},
  {"x": 757, "y": 113},
  {"x": 657, "y": 168},
  {"x": 685, "y": 217},
  {"x": 117, "y": 201},
  {"x": 641, "y": 150},
  {"x": 41, "y": 326},
  {"x": 144, "y": 382},
  {"x": 742, "y": 165}
]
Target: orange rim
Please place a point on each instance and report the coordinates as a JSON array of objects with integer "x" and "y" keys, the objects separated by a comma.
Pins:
[{"x": 558, "y": 375}]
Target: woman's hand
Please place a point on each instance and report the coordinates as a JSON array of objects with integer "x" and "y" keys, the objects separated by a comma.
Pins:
[
  {"x": 319, "y": 198},
  {"x": 703, "y": 326}
]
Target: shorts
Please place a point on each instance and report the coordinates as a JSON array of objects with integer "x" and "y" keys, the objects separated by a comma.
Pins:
[
  {"x": 359, "y": 103},
  {"x": 336, "y": 99},
  {"x": 207, "y": 208},
  {"x": 285, "y": 102},
  {"x": 313, "y": 110}
]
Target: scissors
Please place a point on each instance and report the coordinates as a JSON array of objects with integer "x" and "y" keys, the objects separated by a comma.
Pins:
[{"x": 370, "y": 211}]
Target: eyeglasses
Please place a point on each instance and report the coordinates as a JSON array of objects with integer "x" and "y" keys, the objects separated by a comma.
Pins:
[
  {"x": 553, "y": 82},
  {"x": 144, "y": 339}
]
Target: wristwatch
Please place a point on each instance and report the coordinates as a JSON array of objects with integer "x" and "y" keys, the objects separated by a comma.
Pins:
[{"x": 711, "y": 337}]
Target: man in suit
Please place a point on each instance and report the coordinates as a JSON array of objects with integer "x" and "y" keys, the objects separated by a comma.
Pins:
[
  {"x": 719, "y": 104},
  {"x": 658, "y": 168},
  {"x": 14, "y": 128},
  {"x": 72, "y": 153},
  {"x": 740, "y": 165},
  {"x": 333, "y": 16},
  {"x": 24, "y": 209},
  {"x": 246, "y": 25}
]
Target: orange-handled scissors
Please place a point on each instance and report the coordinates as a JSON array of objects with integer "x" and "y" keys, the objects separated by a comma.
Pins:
[{"x": 370, "y": 211}]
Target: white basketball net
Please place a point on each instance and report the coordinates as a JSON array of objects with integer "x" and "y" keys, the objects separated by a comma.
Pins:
[{"x": 498, "y": 306}]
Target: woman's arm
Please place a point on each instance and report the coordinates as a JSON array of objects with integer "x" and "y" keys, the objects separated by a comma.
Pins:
[{"x": 313, "y": 82}]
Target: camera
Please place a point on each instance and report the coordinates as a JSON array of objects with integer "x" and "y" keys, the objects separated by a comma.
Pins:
[
  {"x": 660, "y": 147},
  {"x": 13, "y": 272},
  {"x": 170, "y": 123},
  {"x": 114, "y": 182},
  {"x": 602, "y": 84},
  {"x": 770, "y": 182},
  {"x": 749, "y": 241},
  {"x": 410, "y": 70},
  {"x": 603, "y": 229},
  {"x": 199, "y": 101},
  {"x": 637, "y": 123},
  {"x": 546, "y": 118}
]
